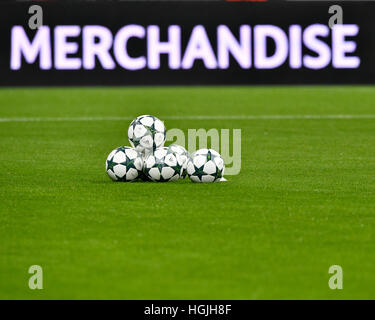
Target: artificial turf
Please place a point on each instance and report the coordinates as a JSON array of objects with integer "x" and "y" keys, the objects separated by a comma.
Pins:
[{"x": 304, "y": 199}]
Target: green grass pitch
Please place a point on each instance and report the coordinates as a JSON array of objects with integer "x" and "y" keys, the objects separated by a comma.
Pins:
[{"x": 304, "y": 200}]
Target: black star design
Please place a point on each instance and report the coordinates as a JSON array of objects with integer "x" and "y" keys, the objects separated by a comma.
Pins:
[
  {"x": 218, "y": 173},
  {"x": 158, "y": 164},
  {"x": 151, "y": 129},
  {"x": 177, "y": 168},
  {"x": 111, "y": 164},
  {"x": 136, "y": 142},
  {"x": 129, "y": 164},
  {"x": 199, "y": 172}
]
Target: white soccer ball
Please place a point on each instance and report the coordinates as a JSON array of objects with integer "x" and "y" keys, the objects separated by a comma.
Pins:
[
  {"x": 184, "y": 155},
  {"x": 146, "y": 133},
  {"x": 206, "y": 165},
  {"x": 163, "y": 165},
  {"x": 124, "y": 164}
]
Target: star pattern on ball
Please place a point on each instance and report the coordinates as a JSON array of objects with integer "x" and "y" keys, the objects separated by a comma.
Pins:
[
  {"x": 151, "y": 129},
  {"x": 147, "y": 128},
  {"x": 208, "y": 170},
  {"x": 199, "y": 172},
  {"x": 118, "y": 171},
  {"x": 218, "y": 173},
  {"x": 157, "y": 172},
  {"x": 129, "y": 163},
  {"x": 177, "y": 168},
  {"x": 158, "y": 164},
  {"x": 136, "y": 142},
  {"x": 111, "y": 164}
]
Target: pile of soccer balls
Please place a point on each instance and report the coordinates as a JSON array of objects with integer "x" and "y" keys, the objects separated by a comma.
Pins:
[{"x": 148, "y": 159}]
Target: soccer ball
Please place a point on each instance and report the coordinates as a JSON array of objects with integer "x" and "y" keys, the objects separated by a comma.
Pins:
[
  {"x": 124, "y": 164},
  {"x": 146, "y": 133},
  {"x": 184, "y": 155},
  {"x": 163, "y": 165},
  {"x": 206, "y": 166}
]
